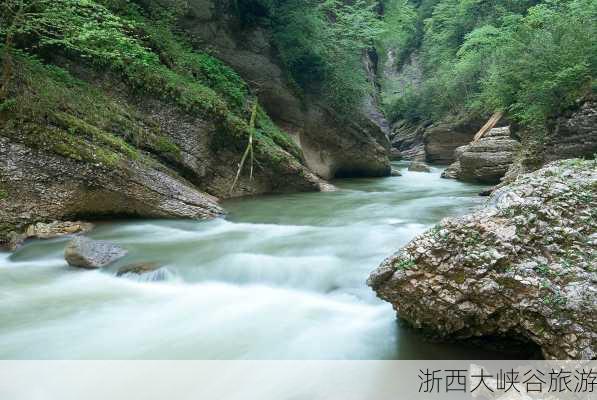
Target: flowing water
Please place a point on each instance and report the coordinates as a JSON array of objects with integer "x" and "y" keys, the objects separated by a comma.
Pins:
[{"x": 282, "y": 277}]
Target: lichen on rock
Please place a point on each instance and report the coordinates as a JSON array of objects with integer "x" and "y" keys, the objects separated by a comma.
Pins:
[{"x": 522, "y": 267}]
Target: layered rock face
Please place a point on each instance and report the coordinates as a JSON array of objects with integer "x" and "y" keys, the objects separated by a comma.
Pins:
[
  {"x": 332, "y": 147},
  {"x": 407, "y": 142},
  {"x": 574, "y": 135},
  {"x": 41, "y": 186},
  {"x": 433, "y": 143},
  {"x": 523, "y": 267},
  {"x": 442, "y": 139},
  {"x": 486, "y": 160},
  {"x": 210, "y": 158}
]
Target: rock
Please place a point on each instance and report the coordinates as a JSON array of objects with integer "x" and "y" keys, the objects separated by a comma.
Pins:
[
  {"x": 417, "y": 166},
  {"x": 443, "y": 138},
  {"x": 523, "y": 267},
  {"x": 139, "y": 268},
  {"x": 395, "y": 154},
  {"x": 487, "y": 192},
  {"x": 488, "y": 159},
  {"x": 57, "y": 229},
  {"x": 82, "y": 252},
  {"x": 452, "y": 171},
  {"x": 51, "y": 230},
  {"x": 44, "y": 186},
  {"x": 407, "y": 142},
  {"x": 574, "y": 134},
  {"x": 395, "y": 172}
]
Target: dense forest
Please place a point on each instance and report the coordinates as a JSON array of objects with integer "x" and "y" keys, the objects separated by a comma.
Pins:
[{"x": 532, "y": 59}]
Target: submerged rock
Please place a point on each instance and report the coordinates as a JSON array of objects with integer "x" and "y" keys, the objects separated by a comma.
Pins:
[
  {"x": 395, "y": 172},
  {"x": 82, "y": 252},
  {"x": 138, "y": 268},
  {"x": 524, "y": 266},
  {"x": 145, "y": 272},
  {"x": 417, "y": 166}
]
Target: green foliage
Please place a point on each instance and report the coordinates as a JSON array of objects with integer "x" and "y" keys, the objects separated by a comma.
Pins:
[
  {"x": 402, "y": 21},
  {"x": 544, "y": 61},
  {"x": 531, "y": 59},
  {"x": 321, "y": 43}
]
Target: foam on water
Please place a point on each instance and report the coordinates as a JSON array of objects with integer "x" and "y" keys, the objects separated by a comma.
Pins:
[{"x": 283, "y": 277}]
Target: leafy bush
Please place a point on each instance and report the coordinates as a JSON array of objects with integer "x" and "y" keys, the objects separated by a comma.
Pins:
[
  {"x": 321, "y": 43},
  {"x": 531, "y": 59}
]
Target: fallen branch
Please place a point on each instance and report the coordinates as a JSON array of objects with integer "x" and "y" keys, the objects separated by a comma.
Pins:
[
  {"x": 489, "y": 125},
  {"x": 248, "y": 150}
]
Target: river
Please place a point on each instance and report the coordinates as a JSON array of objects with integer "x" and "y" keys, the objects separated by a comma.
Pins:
[{"x": 282, "y": 277}]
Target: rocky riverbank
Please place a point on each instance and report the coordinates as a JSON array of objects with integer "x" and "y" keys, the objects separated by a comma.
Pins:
[
  {"x": 165, "y": 139},
  {"x": 522, "y": 267}
]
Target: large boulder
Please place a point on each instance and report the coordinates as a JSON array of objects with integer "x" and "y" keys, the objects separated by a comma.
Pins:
[
  {"x": 485, "y": 161},
  {"x": 523, "y": 267},
  {"x": 417, "y": 166},
  {"x": 82, "y": 252},
  {"x": 41, "y": 186},
  {"x": 442, "y": 138},
  {"x": 45, "y": 231}
]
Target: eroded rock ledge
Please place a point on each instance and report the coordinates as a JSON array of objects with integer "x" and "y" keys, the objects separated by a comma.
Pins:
[{"x": 522, "y": 267}]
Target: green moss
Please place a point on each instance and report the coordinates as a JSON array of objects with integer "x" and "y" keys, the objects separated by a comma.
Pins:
[
  {"x": 267, "y": 128},
  {"x": 459, "y": 277},
  {"x": 166, "y": 147},
  {"x": 79, "y": 128}
]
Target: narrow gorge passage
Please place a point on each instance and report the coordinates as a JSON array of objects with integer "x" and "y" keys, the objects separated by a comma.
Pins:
[{"x": 282, "y": 277}]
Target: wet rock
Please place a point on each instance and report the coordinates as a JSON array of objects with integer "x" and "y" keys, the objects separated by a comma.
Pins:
[
  {"x": 417, "y": 166},
  {"x": 82, "y": 252},
  {"x": 57, "y": 229},
  {"x": 139, "y": 268},
  {"x": 43, "y": 186},
  {"x": 487, "y": 192},
  {"x": 452, "y": 171},
  {"x": 395, "y": 172},
  {"x": 486, "y": 160},
  {"x": 42, "y": 230},
  {"x": 523, "y": 267}
]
